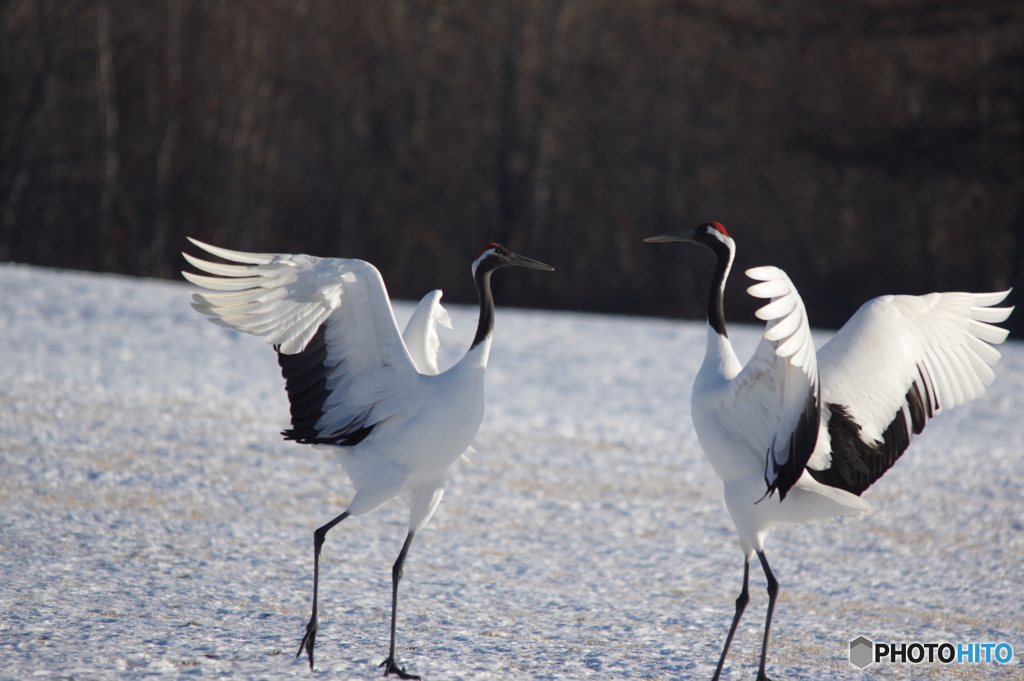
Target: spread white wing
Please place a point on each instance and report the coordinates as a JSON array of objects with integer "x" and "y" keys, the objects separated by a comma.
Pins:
[
  {"x": 898, "y": 362},
  {"x": 344, "y": 362},
  {"x": 420, "y": 333},
  {"x": 777, "y": 399}
]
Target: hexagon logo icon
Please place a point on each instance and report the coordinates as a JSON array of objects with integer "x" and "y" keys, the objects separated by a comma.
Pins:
[{"x": 862, "y": 652}]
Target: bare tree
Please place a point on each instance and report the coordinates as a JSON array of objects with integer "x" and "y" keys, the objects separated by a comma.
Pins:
[{"x": 865, "y": 147}]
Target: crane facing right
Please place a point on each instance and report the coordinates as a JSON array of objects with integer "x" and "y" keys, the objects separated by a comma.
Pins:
[{"x": 819, "y": 428}]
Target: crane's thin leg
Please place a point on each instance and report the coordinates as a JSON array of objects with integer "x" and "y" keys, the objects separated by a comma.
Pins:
[
  {"x": 773, "y": 591},
  {"x": 391, "y": 664},
  {"x": 741, "y": 603},
  {"x": 309, "y": 640}
]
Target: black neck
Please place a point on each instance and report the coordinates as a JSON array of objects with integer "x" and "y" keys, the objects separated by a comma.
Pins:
[
  {"x": 716, "y": 304},
  {"x": 485, "y": 326}
]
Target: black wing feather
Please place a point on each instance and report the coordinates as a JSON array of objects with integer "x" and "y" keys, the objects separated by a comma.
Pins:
[
  {"x": 305, "y": 376},
  {"x": 856, "y": 464},
  {"x": 801, "y": 446}
]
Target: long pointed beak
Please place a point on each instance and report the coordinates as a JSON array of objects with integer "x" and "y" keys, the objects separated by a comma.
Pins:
[
  {"x": 523, "y": 261},
  {"x": 671, "y": 236}
]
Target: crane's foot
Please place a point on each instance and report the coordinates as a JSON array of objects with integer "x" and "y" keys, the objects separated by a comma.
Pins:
[
  {"x": 308, "y": 641},
  {"x": 391, "y": 667},
  {"x": 763, "y": 677}
]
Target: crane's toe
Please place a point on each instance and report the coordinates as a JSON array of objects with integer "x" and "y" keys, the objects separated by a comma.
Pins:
[
  {"x": 391, "y": 667},
  {"x": 308, "y": 641}
]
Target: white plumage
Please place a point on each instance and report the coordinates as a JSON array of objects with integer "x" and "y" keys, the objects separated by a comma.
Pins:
[
  {"x": 420, "y": 335},
  {"x": 819, "y": 428},
  {"x": 353, "y": 382},
  {"x": 771, "y": 391}
]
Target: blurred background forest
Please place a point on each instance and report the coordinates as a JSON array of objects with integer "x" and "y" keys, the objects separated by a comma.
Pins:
[{"x": 865, "y": 146}]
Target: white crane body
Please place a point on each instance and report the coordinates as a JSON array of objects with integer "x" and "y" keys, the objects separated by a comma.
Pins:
[{"x": 420, "y": 442}]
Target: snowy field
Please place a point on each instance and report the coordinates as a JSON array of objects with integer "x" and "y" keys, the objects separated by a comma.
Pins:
[{"x": 152, "y": 521}]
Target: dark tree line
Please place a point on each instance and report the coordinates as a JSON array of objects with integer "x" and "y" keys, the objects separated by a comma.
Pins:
[{"x": 866, "y": 147}]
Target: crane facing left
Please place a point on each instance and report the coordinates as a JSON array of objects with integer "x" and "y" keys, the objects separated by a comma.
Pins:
[{"x": 354, "y": 383}]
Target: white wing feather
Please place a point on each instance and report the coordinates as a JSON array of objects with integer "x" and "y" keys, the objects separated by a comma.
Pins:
[
  {"x": 777, "y": 400},
  {"x": 420, "y": 333},
  {"x": 940, "y": 341},
  {"x": 288, "y": 297}
]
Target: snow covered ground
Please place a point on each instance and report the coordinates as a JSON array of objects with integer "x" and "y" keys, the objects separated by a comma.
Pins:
[{"x": 152, "y": 521}]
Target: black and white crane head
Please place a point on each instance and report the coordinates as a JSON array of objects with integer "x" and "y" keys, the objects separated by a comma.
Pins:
[
  {"x": 711, "y": 235},
  {"x": 355, "y": 384},
  {"x": 493, "y": 257},
  {"x": 820, "y": 426}
]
